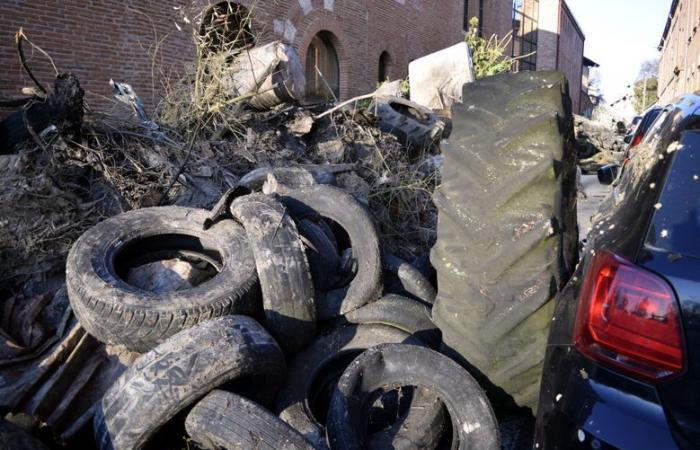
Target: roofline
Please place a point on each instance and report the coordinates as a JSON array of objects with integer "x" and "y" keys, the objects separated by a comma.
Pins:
[
  {"x": 573, "y": 19},
  {"x": 667, "y": 28},
  {"x": 588, "y": 62}
]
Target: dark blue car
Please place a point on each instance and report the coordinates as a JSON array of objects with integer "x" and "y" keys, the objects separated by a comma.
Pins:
[{"x": 622, "y": 368}]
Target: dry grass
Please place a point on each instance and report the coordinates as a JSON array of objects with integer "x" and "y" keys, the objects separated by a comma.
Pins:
[{"x": 207, "y": 140}]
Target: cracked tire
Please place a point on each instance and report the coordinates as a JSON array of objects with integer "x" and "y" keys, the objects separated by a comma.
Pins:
[
  {"x": 180, "y": 371},
  {"x": 400, "y": 312},
  {"x": 283, "y": 270},
  {"x": 341, "y": 207},
  {"x": 116, "y": 312},
  {"x": 316, "y": 369},
  {"x": 395, "y": 365},
  {"x": 507, "y": 232},
  {"x": 223, "y": 420},
  {"x": 322, "y": 253}
]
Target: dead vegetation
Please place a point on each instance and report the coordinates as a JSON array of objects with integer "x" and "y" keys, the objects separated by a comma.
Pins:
[{"x": 201, "y": 140}]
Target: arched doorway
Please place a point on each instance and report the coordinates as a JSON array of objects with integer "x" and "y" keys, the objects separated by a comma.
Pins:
[
  {"x": 321, "y": 56},
  {"x": 384, "y": 67},
  {"x": 225, "y": 26}
]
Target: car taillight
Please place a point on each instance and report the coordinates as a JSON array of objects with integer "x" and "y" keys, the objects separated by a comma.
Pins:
[
  {"x": 636, "y": 140},
  {"x": 628, "y": 318}
]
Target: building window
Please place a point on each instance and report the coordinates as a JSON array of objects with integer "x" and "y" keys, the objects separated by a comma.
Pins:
[
  {"x": 384, "y": 67},
  {"x": 322, "y": 67},
  {"x": 525, "y": 15},
  {"x": 465, "y": 26}
]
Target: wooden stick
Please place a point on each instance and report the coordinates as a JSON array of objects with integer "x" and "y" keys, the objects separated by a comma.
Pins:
[
  {"x": 346, "y": 102},
  {"x": 19, "y": 36}
]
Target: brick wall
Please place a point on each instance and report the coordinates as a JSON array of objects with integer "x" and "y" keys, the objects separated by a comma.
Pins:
[
  {"x": 679, "y": 63},
  {"x": 560, "y": 45},
  {"x": 570, "y": 56},
  {"x": 106, "y": 39}
]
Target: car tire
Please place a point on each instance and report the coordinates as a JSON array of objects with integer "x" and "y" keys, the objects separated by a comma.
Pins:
[
  {"x": 307, "y": 379},
  {"x": 224, "y": 420},
  {"x": 283, "y": 270},
  {"x": 414, "y": 125},
  {"x": 13, "y": 437},
  {"x": 507, "y": 233},
  {"x": 333, "y": 203},
  {"x": 405, "y": 279},
  {"x": 322, "y": 253},
  {"x": 118, "y": 313},
  {"x": 474, "y": 424},
  {"x": 400, "y": 312},
  {"x": 180, "y": 371}
]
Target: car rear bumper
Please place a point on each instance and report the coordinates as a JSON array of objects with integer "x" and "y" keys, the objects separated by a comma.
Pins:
[{"x": 585, "y": 407}]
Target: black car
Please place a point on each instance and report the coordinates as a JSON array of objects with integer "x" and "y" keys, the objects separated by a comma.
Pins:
[{"x": 622, "y": 368}]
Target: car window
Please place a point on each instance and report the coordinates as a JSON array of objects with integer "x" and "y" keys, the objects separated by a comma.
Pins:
[
  {"x": 658, "y": 122},
  {"x": 676, "y": 223},
  {"x": 649, "y": 120}
]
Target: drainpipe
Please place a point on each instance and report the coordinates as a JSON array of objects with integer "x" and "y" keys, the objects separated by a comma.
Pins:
[{"x": 481, "y": 17}]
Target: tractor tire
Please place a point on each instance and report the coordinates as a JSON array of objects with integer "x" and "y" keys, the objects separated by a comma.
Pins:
[{"x": 507, "y": 233}]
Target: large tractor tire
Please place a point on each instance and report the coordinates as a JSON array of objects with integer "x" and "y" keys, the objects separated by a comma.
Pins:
[{"x": 507, "y": 234}]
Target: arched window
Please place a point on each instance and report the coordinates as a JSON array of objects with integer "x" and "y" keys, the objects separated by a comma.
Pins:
[
  {"x": 225, "y": 26},
  {"x": 322, "y": 67},
  {"x": 384, "y": 67}
]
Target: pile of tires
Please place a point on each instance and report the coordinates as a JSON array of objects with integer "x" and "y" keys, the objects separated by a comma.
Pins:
[{"x": 291, "y": 330}]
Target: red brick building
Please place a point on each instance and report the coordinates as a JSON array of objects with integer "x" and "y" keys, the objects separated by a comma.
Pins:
[
  {"x": 141, "y": 42},
  {"x": 354, "y": 43}
]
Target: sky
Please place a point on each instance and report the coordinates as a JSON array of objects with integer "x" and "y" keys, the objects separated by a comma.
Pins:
[{"x": 620, "y": 35}]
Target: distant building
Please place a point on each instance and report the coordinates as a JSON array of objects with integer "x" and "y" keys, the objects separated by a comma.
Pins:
[
  {"x": 679, "y": 64},
  {"x": 590, "y": 96},
  {"x": 547, "y": 37}
]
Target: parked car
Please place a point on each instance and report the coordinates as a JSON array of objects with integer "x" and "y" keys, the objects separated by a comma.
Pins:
[
  {"x": 633, "y": 124},
  {"x": 635, "y": 137},
  {"x": 622, "y": 367}
]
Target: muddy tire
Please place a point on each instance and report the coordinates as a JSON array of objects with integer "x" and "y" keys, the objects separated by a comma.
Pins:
[
  {"x": 420, "y": 427},
  {"x": 335, "y": 204},
  {"x": 392, "y": 365},
  {"x": 13, "y": 437},
  {"x": 180, "y": 371},
  {"x": 116, "y": 312},
  {"x": 405, "y": 279},
  {"x": 322, "y": 253},
  {"x": 226, "y": 420},
  {"x": 283, "y": 270},
  {"x": 414, "y": 125},
  {"x": 314, "y": 372},
  {"x": 507, "y": 232},
  {"x": 399, "y": 312}
]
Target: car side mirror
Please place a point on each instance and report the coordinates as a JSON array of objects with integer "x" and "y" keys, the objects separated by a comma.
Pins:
[
  {"x": 628, "y": 138},
  {"x": 607, "y": 174}
]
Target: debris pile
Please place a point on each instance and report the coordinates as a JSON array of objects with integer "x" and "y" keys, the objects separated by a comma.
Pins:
[
  {"x": 598, "y": 144},
  {"x": 316, "y": 213}
]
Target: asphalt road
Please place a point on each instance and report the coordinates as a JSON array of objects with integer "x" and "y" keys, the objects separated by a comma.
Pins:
[{"x": 595, "y": 193}]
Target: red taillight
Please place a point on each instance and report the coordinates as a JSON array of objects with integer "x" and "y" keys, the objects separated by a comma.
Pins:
[
  {"x": 636, "y": 140},
  {"x": 628, "y": 318}
]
